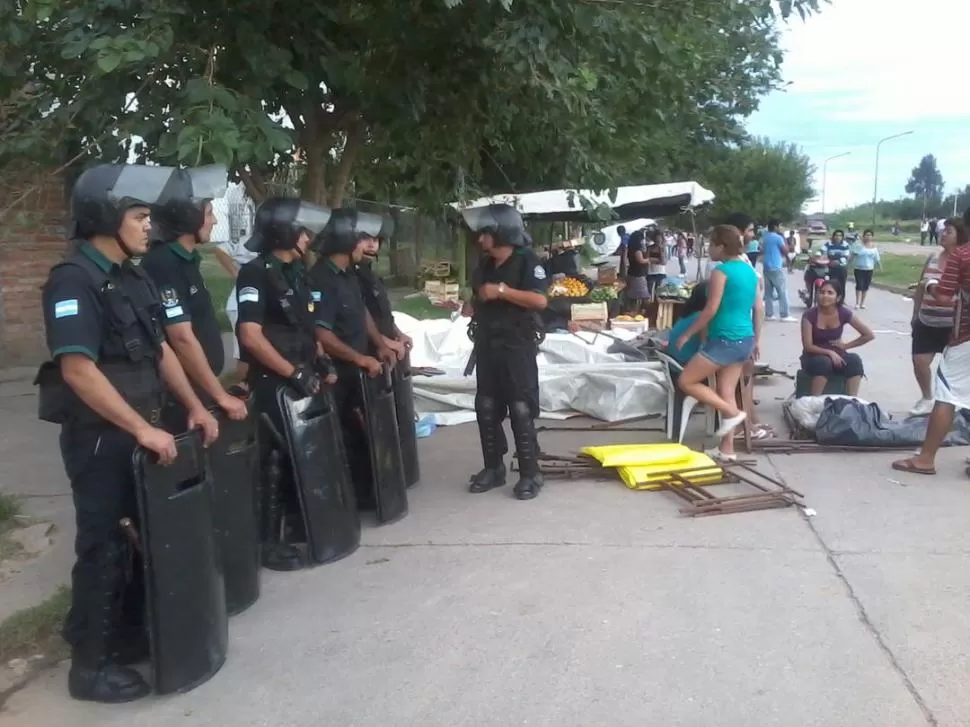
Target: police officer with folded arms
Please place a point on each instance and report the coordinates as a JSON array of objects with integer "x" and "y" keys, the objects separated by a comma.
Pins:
[
  {"x": 277, "y": 339},
  {"x": 375, "y": 293},
  {"x": 104, "y": 385},
  {"x": 509, "y": 287},
  {"x": 184, "y": 222}
]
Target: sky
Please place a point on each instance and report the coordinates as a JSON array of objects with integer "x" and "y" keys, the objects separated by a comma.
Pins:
[{"x": 862, "y": 70}]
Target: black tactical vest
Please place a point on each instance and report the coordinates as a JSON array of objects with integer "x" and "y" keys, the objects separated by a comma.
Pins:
[
  {"x": 499, "y": 322},
  {"x": 377, "y": 301},
  {"x": 295, "y": 341},
  {"x": 130, "y": 350}
]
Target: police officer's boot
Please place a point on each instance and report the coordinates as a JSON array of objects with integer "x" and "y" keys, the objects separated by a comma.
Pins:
[
  {"x": 527, "y": 449},
  {"x": 276, "y": 554},
  {"x": 95, "y": 676},
  {"x": 493, "y": 446}
]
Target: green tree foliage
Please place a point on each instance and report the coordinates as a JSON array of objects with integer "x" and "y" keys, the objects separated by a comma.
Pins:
[
  {"x": 423, "y": 100},
  {"x": 925, "y": 181},
  {"x": 762, "y": 178}
]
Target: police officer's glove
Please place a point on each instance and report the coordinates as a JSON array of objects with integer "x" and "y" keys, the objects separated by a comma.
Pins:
[
  {"x": 305, "y": 381},
  {"x": 324, "y": 367}
]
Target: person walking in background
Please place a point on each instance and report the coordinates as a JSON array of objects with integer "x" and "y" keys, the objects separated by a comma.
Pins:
[
  {"x": 656, "y": 260},
  {"x": 752, "y": 249},
  {"x": 775, "y": 256},
  {"x": 864, "y": 259},
  {"x": 951, "y": 388},
  {"x": 733, "y": 332},
  {"x": 232, "y": 256},
  {"x": 933, "y": 320},
  {"x": 621, "y": 251},
  {"x": 924, "y": 229},
  {"x": 682, "y": 253}
]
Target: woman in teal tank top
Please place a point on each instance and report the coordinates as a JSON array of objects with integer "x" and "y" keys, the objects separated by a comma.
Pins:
[{"x": 732, "y": 326}]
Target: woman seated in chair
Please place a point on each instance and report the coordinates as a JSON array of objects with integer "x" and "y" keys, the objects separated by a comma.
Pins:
[
  {"x": 692, "y": 308},
  {"x": 824, "y": 353}
]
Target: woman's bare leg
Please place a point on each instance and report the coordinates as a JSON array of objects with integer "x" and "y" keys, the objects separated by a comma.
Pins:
[
  {"x": 817, "y": 385},
  {"x": 691, "y": 382},
  {"x": 727, "y": 386},
  {"x": 852, "y": 385}
]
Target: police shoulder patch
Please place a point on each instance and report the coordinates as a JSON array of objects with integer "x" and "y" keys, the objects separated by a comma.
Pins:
[
  {"x": 539, "y": 272},
  {"x": 248, "y": 295},
  {"x": 170, "y": 298},
  {"x": 316, "y": 295},
  {"x": 66, "y": 308}
]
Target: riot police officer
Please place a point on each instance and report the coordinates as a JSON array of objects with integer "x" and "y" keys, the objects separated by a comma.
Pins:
[
  {"x": 509, "y": 287},
  {"x": 276, "y": 338},
  {"x": 375, "y": 294},
  {"x": 104, "y": 383},
  {"x": 347, "y": 331},
  {"x": 183, "y": 222}
]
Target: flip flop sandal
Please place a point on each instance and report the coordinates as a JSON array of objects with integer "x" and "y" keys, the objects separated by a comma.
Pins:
[{"x": 906, "y": 465}]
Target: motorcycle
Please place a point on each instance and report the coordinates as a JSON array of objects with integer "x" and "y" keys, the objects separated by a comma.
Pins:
[{"x": 809, "y": 294}]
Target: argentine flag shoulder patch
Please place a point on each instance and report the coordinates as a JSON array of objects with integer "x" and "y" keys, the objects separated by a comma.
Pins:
[
  {"x": 248, "y": 295},
  {"x": 66, "y": 308},
  {"x": 316, "y": 295},
  {"x": 174, "y": 312}
]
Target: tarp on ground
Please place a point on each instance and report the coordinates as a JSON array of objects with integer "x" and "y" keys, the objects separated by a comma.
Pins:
[
  {"x": 645, "y": 200},
  {"x": 577, "y": 376}
]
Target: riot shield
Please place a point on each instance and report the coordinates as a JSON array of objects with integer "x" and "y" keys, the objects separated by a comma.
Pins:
[
  {"x": 185, "y": 594},
  {"x": 234, "y": 463},
  {"x": 404, "y": 404},
  {"x": 321, "y": 474},
  {"x": 384, "y": 443}
]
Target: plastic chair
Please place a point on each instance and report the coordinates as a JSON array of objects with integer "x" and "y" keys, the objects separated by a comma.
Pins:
[{"x": 679, "y": 405}]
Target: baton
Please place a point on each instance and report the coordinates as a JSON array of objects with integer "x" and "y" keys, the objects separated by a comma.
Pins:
[
  {"x": 472, "y": 360},
  {"x": 128, "y": 528}
]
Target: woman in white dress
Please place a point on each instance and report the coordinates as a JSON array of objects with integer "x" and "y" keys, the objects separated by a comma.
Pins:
[{"x": 232, "y": 256}]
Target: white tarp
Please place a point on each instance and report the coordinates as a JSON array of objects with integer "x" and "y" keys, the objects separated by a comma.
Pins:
[
  {"x": 606, "y": 242},
  {"x": 563, "y": 203},
  {"x": 576, "y": 375}
]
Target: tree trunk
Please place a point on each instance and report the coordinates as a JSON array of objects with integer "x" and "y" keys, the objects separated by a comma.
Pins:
[
  {"x": 392, "y": 249},
  {"x": 352, "y": 143},
  {"x": 419, "y": 240}
]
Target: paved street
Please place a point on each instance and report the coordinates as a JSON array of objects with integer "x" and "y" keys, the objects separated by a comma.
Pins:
[{"x": 596, "y": 605}]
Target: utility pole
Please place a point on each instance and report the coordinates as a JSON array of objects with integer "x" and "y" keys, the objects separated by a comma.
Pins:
[{"x": 875, "y": 180}]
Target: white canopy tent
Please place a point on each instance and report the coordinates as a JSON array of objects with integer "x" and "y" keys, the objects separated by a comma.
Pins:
[{"x": 646, "y": 200}]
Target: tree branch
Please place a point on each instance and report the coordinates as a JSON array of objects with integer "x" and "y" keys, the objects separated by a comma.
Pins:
[{"x": 254, "y": 184}]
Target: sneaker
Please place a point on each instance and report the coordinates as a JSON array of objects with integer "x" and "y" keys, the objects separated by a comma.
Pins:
[
  {"x": 922, "y": 408},
  {"x": 718, "y": 456},
  {"x": 729, "y": 423},
  {"x": 789, "y": 319}
]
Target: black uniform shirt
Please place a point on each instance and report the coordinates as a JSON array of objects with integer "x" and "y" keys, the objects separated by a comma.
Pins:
[
  {"x": 177, "y": 275},
  {"x": 259, "y": 302},
  {"x": 342, "y": 308},
  {"x": 522, "y": 270},
  {"x": 376, "y": 299},
  {"x": 74, "y": 313}
]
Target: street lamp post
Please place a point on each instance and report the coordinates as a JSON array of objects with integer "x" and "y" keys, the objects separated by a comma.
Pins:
[
  {"x": 825, "y": 173},
  {"x": 875, "y": 181}
]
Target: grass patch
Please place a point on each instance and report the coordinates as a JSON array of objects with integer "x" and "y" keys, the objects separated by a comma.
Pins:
[
  {"x": 419, "y": 307},
  {"x": 218, "y": 283},
  {"x": 900, "y": 271},
  {"x": 10, "y": 508},
  {"x": 36, "y": 630}
]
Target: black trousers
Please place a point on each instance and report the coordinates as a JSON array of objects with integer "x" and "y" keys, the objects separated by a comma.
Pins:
[
  {"x": 107, "y": 581},
  {"x": 508, "y": 374}
]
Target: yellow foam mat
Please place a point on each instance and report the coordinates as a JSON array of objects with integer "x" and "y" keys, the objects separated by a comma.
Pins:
[
  {"x": 640, "y": 477},
  {"x": 639, "y": 455}
]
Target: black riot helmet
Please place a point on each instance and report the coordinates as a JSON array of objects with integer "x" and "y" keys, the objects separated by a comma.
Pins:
[
  {"x": 502, "y": 221},
  {"x": 281, "y": 220},
  {"x": 102, "y": 194},
  {"x": 183, "y": 213},
  {"x": 345, "y": 229}
]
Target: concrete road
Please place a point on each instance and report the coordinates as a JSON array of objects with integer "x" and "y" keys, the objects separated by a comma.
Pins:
[{"x": 596, "y": 605}]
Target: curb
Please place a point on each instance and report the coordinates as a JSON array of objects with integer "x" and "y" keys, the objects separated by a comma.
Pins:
[{"x": 893, "y": 289}]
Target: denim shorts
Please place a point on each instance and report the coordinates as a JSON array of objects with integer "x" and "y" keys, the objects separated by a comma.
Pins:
[{"x": 725, "y": 353}]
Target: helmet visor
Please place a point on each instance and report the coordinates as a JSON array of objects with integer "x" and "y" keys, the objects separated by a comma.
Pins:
[
  {"x": 210, "y": 182},
  {"x": 480, "y": 218},
  {"x": 369, "y": 224},
  {"x": 145, "y": 185},
  {"x": 311, "y": 217}
]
